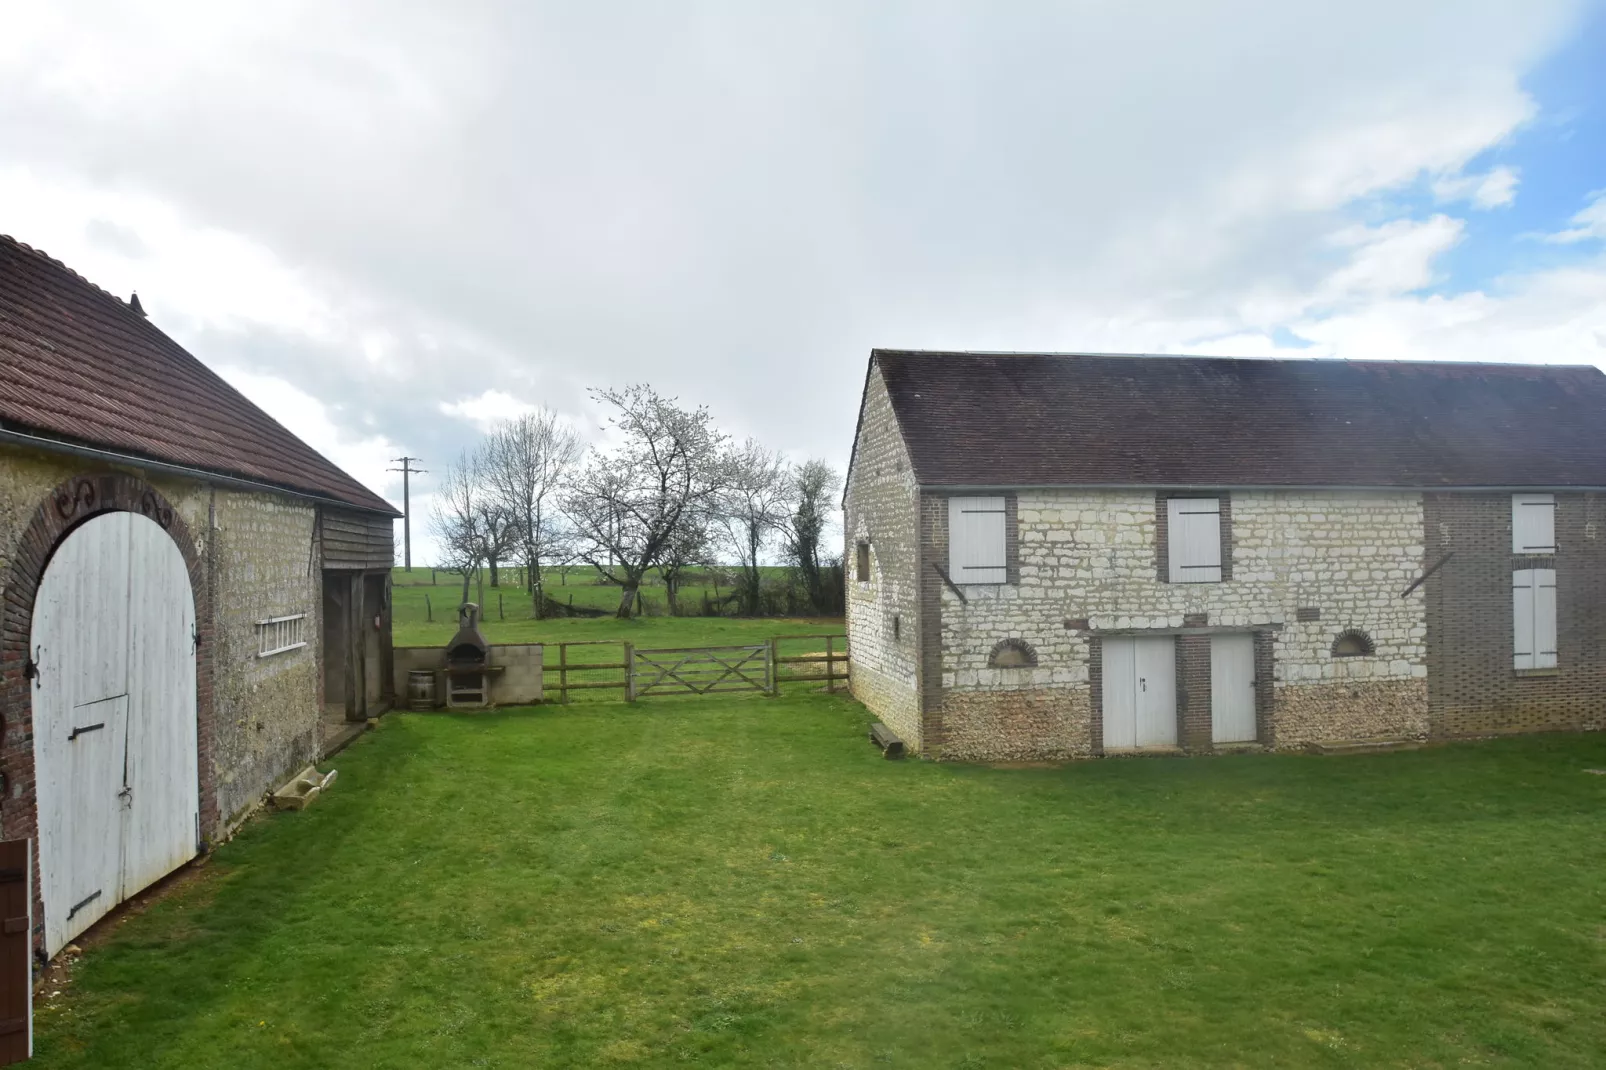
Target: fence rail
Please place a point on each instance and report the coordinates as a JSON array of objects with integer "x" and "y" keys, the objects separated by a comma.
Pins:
[{"x": 755, "y": 668}]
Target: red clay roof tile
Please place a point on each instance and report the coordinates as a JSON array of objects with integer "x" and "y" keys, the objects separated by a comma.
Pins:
[{"x": 78, "y": 364}]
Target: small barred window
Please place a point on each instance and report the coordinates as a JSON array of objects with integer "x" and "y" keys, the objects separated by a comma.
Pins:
[
  {"x": 1012, "y": 654},
  {"x": 280, "y": 635},
  {"x": 1353, "y": 644}
]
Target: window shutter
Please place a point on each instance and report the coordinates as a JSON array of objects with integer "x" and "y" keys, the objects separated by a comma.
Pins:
[
  {"x": 976, "y": 552},
  {"x": 1544, "y": 618},
  {"x": 1522, "y": 618},
  {"x": 1533, "y": 523},
  {"x": 1193, "y": 539}
]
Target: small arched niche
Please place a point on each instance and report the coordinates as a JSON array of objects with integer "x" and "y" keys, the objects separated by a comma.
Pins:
[
  {"x": 1352, "y": 643},
  {"x": 1012, "y": 654}
]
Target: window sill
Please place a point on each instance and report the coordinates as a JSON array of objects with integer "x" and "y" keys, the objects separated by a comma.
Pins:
[{"x": 1536, "y": 672}]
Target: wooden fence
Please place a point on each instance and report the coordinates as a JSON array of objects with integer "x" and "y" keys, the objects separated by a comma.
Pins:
[{"x": 759, "y": 668}]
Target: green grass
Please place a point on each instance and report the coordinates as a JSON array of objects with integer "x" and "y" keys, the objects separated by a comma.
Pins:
[
  {"x": 506, "y": 614},
  {"x": 745, "y": 882}
]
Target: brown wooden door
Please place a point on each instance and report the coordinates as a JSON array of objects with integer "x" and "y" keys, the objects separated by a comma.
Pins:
[{"x": 16, "y": 951}]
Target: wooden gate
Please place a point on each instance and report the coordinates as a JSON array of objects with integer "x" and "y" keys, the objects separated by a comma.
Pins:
[
  {"x": 705, "y": 670},
  {"x": 114, "y": 730}
]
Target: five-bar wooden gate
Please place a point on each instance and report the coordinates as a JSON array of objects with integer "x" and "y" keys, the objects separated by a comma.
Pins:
[{"x": 704, "y": 670}]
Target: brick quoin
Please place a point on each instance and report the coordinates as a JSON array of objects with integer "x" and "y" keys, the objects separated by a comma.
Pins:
[{"x": 69, "y": 505}]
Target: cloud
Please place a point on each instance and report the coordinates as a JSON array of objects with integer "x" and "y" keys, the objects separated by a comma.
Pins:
[
  {"x": 423, "y": 219},
  {"x": 1588, "y": 225},
  {"x": 1495, "y": 188},
  {"x": 488, "y": 409}
]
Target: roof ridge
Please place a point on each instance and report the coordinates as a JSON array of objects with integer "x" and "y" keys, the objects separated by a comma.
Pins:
[
  {"x": 47, "y": 258},
  {"x": 1216, "y": 356}
]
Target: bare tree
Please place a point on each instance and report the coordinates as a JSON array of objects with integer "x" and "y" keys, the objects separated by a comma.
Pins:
[
  {"x": 629, "y": 501},
  {"x": 751, "y": 508},
  {"x": 457, "y": 518},
  {"x": 687, "y": 548},
  {"x": 812, "y": 487},
  {"x": 525, "y": 462}
]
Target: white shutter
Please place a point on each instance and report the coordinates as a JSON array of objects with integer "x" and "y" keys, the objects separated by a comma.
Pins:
[
  {"x": 1544, "y": 618},
  {"x": 1533, "y": 523},
  {"x": 1193, "y": 539},
  {"x": 976, "y": 552},
  {"x": 1533, "y": 618},
  {"x": 1522, "y": 618}
]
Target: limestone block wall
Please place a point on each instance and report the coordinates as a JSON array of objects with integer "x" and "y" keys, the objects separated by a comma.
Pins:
[
  {"x": 269, "y": 713},
  {"x": 881, "y": 508},
  {"x": 518, "y": 684},
  {"x": 1088, "y": 564},
  {"x": 260, "y": 716}
]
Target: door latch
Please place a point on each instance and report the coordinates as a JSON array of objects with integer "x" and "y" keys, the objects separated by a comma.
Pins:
[{"x": 127, "y": 795}]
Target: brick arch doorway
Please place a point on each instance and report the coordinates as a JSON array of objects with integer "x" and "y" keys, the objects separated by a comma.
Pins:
[{"x": 116, "y": 760}]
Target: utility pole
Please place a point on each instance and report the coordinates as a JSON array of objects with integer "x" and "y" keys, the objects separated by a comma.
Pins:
[{"x": 408, "y": 471}]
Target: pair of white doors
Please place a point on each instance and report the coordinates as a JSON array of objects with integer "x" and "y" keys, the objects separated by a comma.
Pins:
[
  {"x": 1140, "y": 691},
  {"x": 114, "y": 728}
]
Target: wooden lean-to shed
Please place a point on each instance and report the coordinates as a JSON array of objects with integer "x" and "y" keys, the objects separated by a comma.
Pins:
[{"x": 195, "y": 600}]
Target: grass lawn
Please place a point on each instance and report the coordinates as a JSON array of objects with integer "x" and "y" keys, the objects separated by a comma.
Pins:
[{"x": 745, "y": 882}]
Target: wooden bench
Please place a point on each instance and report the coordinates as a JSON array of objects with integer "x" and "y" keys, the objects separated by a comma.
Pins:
[{"x": 885, "y": 738}]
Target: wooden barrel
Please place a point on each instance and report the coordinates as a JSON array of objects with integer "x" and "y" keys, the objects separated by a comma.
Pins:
[{"x": 421, "y": 689}]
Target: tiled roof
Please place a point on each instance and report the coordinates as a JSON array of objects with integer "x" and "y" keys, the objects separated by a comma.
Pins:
[
  {"x": 976, "y": 419},
  {"x": 78, "y": 364}
]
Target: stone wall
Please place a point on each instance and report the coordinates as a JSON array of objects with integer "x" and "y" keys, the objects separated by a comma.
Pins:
[
  {"x": 1088, "y": 566},
  {"x": 518, "y": 684},
  {"x": 269, "y": 713},
  {"x": 880, "y": 508},
  {"x": 255, "y": 559}
]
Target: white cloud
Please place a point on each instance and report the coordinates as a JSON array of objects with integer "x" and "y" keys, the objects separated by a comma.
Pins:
[
  {"x": 487, "y": 409},
  {"x": 1495, "y": 188},
  {"x": 418, "y": 221},
  {"x": 1588, "y": 224}
]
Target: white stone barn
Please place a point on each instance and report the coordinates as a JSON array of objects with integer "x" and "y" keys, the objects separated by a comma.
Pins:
[
  {"x": 1052, "y": 556},
  {"x": 194, "y": 599}
]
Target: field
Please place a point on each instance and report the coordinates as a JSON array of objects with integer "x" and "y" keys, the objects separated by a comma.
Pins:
[
  {"x": 745, "y": 882},
  {"x": 507, "y": 614}
]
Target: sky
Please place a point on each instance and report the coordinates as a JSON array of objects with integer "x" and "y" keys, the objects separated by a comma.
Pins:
[{"x": 392, "y": 223}]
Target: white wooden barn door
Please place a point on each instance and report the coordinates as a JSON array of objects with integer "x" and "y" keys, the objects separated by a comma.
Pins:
[
  {"x": 115, "y": 754},
  {"x": 1232, "y": 689},
  {"x": 1139, "y": 692}
]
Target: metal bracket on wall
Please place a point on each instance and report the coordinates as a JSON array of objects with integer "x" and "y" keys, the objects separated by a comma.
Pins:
[
  {"x": 951, "y": 585},
  {"x": 1423, "y": 578}
]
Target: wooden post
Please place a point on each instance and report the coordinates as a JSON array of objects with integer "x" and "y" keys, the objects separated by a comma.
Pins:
[
  {"x": 774, "y": 677},
  {"x": 563, "y": 673},
  {"x": 429, "y": 610},
  {"x": 630, "y": 672},
  {"x": 500, "y": 614},
  {"x": 830, "y": 666}
]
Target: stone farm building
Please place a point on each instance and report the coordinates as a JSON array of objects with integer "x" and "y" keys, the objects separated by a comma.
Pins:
[
  {"x": 1052, "y": 556},
  {"x": 192, "y": 594}
]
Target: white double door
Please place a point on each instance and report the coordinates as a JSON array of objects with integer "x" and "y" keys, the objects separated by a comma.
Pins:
[
  {"x": 115, "y": 755},
  {"x": 1140, "y": 693}
]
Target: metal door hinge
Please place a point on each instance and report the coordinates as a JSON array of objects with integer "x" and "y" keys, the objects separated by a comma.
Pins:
[
  {"x": 30, "y": 668},
  {"x": 84, "y": 902}
]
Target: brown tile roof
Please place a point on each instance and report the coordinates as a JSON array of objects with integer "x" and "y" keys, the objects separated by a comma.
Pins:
[
  {"x": 977, "y": 419},
  {"x": 78, "y": 364}
]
